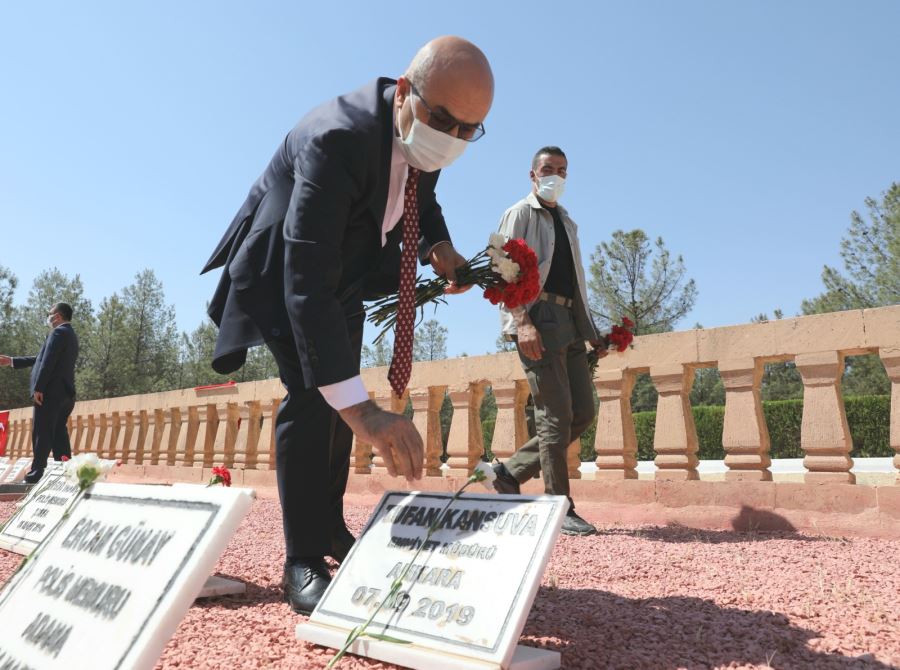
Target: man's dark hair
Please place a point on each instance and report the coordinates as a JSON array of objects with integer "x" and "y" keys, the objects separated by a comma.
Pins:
[
  {"x": 64, "y": 309},
  {"x": 550, "y": 151}
]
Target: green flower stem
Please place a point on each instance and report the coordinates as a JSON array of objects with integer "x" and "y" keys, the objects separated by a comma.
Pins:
[{"x": 397, "y": 584}]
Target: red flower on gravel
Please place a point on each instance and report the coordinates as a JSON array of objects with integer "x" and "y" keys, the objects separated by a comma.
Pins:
[{"x": 221, "y": 475}]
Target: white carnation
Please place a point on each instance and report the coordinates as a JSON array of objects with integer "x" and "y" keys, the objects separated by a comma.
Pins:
[
  {"x": 508, "y": 269},
  {"x": 485, "y": 474},
  {"x": 497, "y": 241}
]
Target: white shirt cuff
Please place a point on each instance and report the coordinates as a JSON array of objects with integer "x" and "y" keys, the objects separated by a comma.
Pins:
[{"x": 347, "y": 393}]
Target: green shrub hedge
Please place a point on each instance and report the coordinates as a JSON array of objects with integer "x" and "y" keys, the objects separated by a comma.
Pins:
[{"x": 867, "y": 416}]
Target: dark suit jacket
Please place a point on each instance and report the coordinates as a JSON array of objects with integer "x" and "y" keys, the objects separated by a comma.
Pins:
[
  {"x": 305, "y": 247},
  {"x": 53, "y": 371}
]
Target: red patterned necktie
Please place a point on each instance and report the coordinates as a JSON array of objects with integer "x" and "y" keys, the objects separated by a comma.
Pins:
[{"x": 401, "y": 362}]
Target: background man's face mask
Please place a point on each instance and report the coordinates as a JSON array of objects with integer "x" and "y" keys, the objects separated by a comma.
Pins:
[{"x": 551, "y": 187}]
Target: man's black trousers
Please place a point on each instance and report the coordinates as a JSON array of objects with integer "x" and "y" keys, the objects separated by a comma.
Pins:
[
  {"x": 312, "y": 455},
  {"x": 49, "y": 432}
]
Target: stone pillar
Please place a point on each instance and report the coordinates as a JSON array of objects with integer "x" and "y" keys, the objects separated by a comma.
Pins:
[
  {"x": 127, "y": 450},
  {"x": 615, "y": 440},
  {"x": 523, "y": 390},
  {"x": 573, "y": 459},
  {"x": 143, "y": 426},
  {"x": 265, "y": 451},
  {"x": 675, "y": 439},
  {"x": 77, "y": 447},
  {"x": 891, "y": 360},
  {"x": 91, "y": 432},
  {"x": 177, "y": 431},
  {"x": 504, "y": 444},
  {"x": 824, "y": 433},
  {"x": 427, "y": 419},
  {"x": 186, "y": 457},
  {"x": 252, "y": 432},
  {"x": 206, "y": 436},
  {"x": 102, "y": 435},
  {"x": 745, "y": 436},
  {"x": 160, "y": 436},
  {"x": 465, "y": 445},
  {"x": 114, "y": 450}
]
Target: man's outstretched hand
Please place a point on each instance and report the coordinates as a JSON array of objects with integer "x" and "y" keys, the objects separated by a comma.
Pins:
[
  {"x": 393, "y": 436},
  {"x": 445, "y": 259}
]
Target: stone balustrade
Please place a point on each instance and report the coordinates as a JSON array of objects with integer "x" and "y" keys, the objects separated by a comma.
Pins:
[{"x": 234, "y": 425}]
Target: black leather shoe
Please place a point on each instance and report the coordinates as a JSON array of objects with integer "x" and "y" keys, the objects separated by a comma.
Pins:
[
  {"x": 505, "y": 482},
  {"x": 575, "y": 525},
  {"x": 341, "y": 543},
  {"x": 34, "y": 476},
  {"x": 305, "y": 581}
]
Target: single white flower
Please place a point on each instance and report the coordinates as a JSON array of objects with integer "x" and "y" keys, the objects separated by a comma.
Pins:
[
  {"x": 485, "y": 474},
  {"x": 497, "y": 241},
  {"x": 495, "y": 254},
  {"x": 85, "y": 468},
  {"x": 508, "y": 269}
]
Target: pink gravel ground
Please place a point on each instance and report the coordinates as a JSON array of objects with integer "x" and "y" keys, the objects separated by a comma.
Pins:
[{"x": 631, "y": 597}]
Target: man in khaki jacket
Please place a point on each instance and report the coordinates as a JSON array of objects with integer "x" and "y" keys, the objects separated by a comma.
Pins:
[{"x": 550, "y": 336}]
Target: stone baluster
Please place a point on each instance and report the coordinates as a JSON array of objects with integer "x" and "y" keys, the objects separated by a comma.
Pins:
[
  {"x": 209, "y": 428},
  {"x": 172, "y": 436},
  {"x": 89, "y": 444},
  {"x": 427, "y": 419},
  {"x": 102, "y": 435},
  {"x": 251, "y": 434},
  {"x": 233, "y": 427},
  {"x": 143, "y": 432},
  {"x": 77, "y": 446},
  {"x": 504, "y": 442},
  {"x": 159, "y": 435},
  {"x": 113, "y": 448},
  {"x": 265, "y": 451},
  {"x": 465, "y": 445},
  {"x": 573, "y": 459},
  {"x": 615, "y": 441},
  {"x": 15, "y": 439},
  {"x": 191, "y": 433},
  {"x": 891, "y": 360},
  {"x": 824, "y": 433},
  {"x": 127, "y": 451},
  {"x": 523, "y": 391},
  {"x": 745, "y": 436},
  {"x": 675, "y": 438}
]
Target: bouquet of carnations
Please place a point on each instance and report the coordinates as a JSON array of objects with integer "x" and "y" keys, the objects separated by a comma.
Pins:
[
  {"x": 618, "y": 339},
  {"x": 507, "y": 270}
]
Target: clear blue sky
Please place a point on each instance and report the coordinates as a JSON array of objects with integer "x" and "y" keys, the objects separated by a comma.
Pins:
[{"x": 742, "y": 133}]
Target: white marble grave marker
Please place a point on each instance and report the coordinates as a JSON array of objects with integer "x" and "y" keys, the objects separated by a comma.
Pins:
[
  {"x": 466, "y": 598},
  {"x": 113, "y": 580},
  {"x": 39, "y": 512},
  {"x": 16, "y": 471}
]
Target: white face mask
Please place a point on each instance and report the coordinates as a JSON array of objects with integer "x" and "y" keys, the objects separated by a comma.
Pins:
[
  {"x": 428, "y": 149},
  {"x": 551, "y": 188}
]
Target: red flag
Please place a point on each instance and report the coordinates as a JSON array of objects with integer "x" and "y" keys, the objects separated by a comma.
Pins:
[{"x": 4, "y": 431}]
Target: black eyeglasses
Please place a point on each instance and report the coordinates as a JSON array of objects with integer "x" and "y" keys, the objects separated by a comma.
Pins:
[{"x": 442, "y": 121}]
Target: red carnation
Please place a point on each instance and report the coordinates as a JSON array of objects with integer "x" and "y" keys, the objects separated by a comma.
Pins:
[{"x": 221, "y": 475}]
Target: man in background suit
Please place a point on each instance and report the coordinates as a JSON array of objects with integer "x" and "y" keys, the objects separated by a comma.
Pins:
[
  {"x": 52, "y": 389},
  {"x": 319, "y": 233}
]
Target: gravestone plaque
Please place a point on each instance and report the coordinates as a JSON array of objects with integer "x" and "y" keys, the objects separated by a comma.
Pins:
[
  {"x": 4, "y": 467},
  {"x": 16, "y": 471},
  {"x": 112, "y": 581},
  {"x": 39, "y": 512},
  {"x": 469, "y": 589}
]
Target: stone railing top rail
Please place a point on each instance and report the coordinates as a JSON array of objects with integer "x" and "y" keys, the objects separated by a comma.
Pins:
[{"x": 850, "y": 333}]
